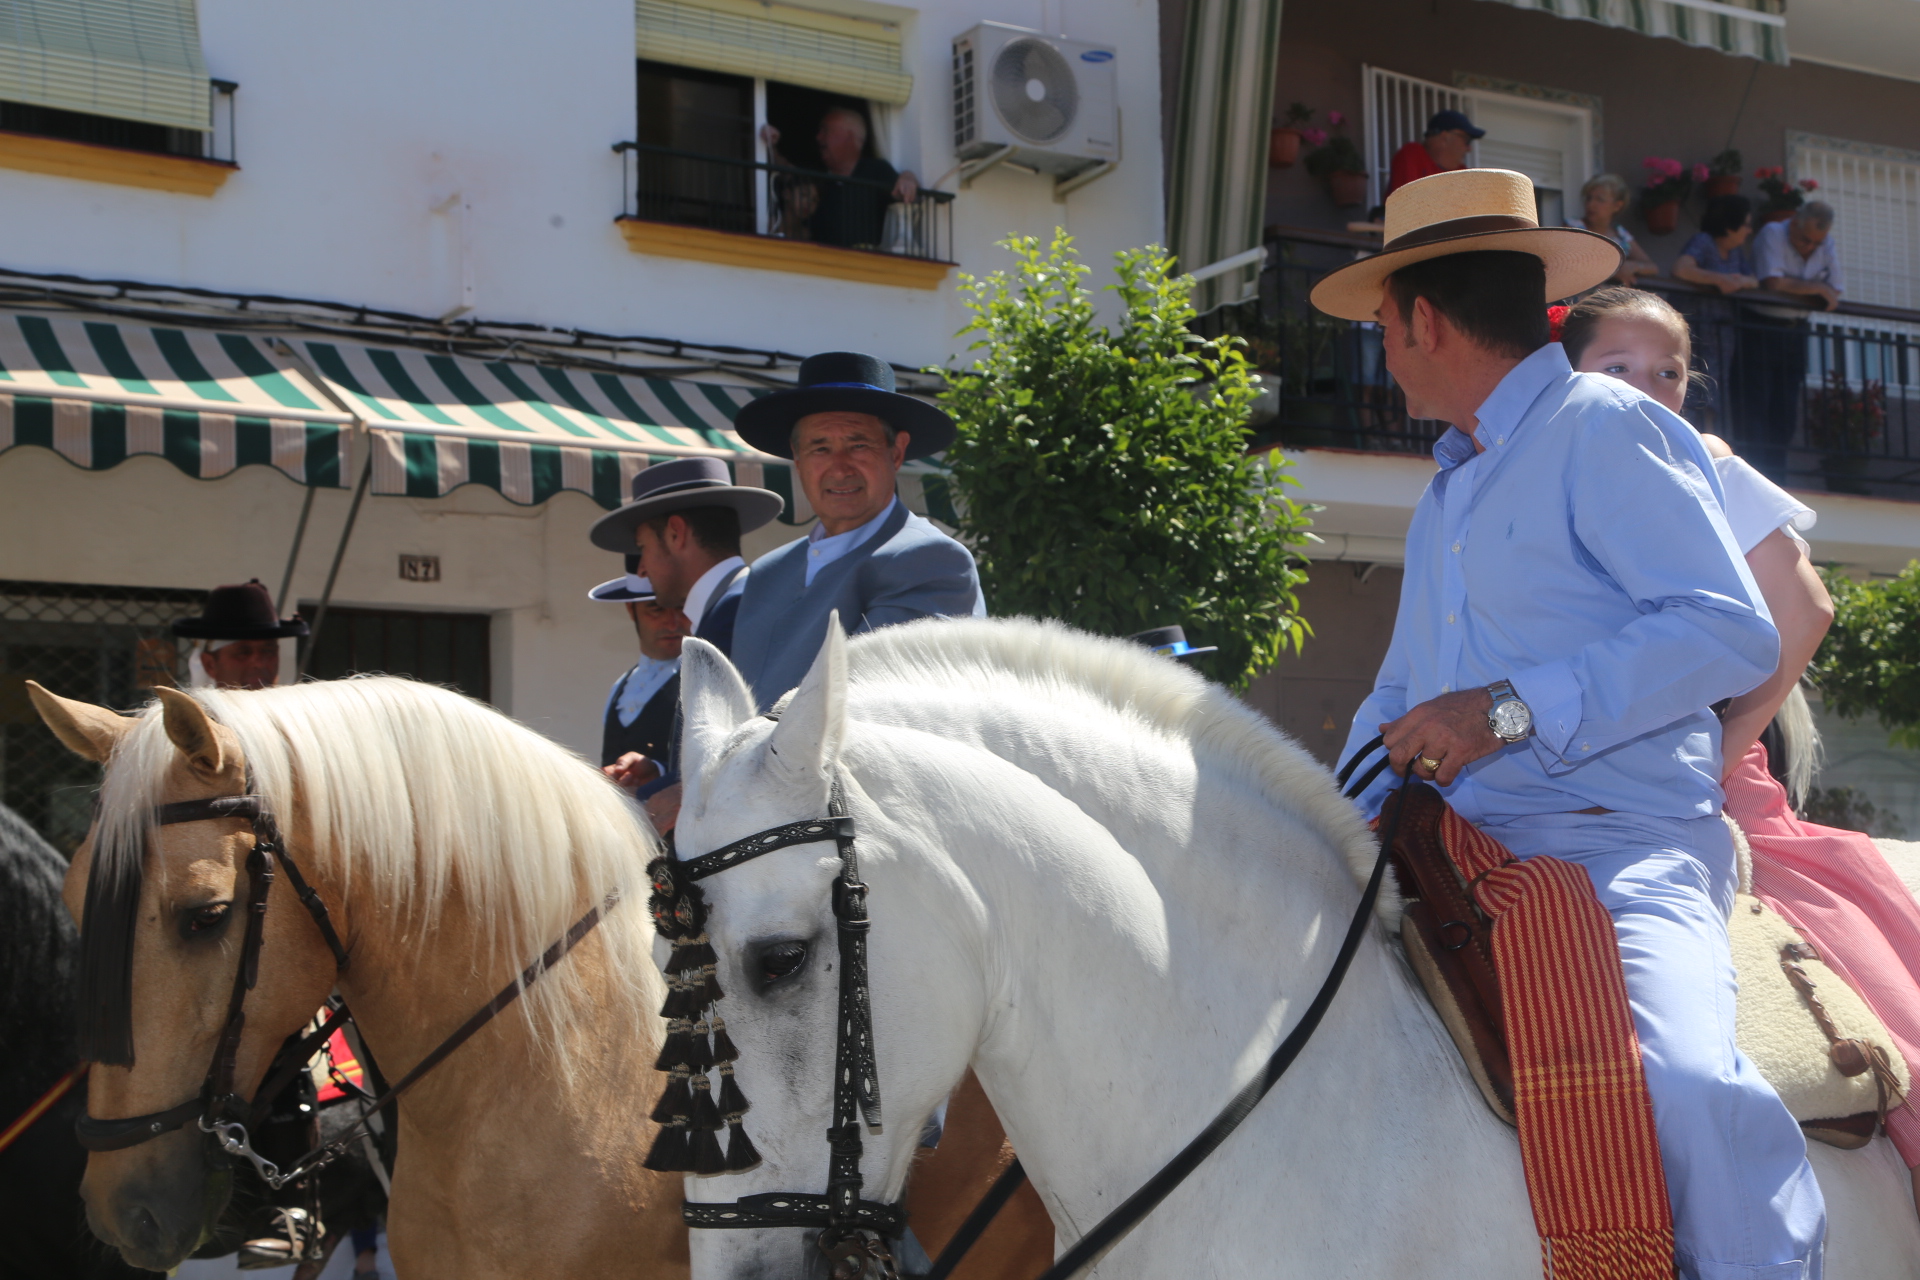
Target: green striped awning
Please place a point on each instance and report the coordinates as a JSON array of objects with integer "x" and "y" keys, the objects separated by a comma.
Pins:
[
  {"x": 529, "y": 431},
  {"x": 1744, "y": 28},
  {"x": 1217, "y": 199},
  {"x": 99, "y": 392}
]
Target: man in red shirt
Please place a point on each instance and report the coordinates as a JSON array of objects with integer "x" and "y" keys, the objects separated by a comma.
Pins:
[{"x": 1449, "y": 136}]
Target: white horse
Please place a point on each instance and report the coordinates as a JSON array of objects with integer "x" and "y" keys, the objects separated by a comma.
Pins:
[{"x": 1109, "y": 888}]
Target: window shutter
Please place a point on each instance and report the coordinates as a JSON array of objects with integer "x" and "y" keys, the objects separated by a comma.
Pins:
[
  {"x": 128, "y": 59},
  {"x": 776, "y": 42}
]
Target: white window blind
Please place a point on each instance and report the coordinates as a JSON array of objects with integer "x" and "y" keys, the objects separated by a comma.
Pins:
[
  {"x": 129, "y": 59},
  {"x": 773, "y": 41},
  {"x": 1875, "y": 194}
]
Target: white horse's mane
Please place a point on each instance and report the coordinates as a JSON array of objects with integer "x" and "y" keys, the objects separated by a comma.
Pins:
[
  {"x": 428, "y": 796},
  {"x": 1049, "y": 659}
]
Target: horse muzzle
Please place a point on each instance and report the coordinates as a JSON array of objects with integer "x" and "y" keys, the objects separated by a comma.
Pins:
[{"x": 156, "y": 1204}]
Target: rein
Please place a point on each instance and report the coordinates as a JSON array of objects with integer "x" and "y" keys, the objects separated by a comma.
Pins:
[
  {"x": 851, "y": 1244},
  {"x": 221, "y": 1111}
]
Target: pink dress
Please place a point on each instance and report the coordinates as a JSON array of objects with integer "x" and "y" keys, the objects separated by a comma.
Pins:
[{"x": 1837, "y": 890}]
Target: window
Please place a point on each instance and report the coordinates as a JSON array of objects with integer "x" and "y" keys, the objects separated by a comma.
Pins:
[
  {"x": 1875, "y": 194},
  {"x": 1550, "y": 142},
  {"x": 105, "y": 645},
  {"x": 697, "y": 128},
  {"x": 439, "y": 648}
]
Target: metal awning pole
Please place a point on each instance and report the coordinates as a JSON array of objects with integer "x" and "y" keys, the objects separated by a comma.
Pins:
[
  {"x": 339, "y": 552},
  {"x": 293, "y": 555}
]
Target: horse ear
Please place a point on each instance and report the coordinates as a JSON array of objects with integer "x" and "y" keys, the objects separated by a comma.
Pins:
[
  {"x": 191, "y": 731},
  {"x": 86, "y": 730},
  {"x": 714, "y": 701},
  {"x": 806, "y": 743}
]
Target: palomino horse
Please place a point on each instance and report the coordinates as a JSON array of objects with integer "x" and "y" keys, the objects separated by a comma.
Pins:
[
  {"x": 1110, "y": 889},
  {"x": 449, "y": 845}
]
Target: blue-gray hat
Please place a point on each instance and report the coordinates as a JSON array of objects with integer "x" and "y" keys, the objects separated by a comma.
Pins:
[
  {"x": 667, "y": 487},
  {"x": 1444, "y": 121},
  {"x": 843, "y": 380},
  {"x": 628, "y": 586}
]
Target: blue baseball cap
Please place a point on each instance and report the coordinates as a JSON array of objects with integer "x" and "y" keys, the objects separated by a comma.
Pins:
[{"x": 1444, "y": 121}]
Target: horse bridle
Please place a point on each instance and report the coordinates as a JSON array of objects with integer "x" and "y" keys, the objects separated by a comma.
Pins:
[
  {"x": 854, "y": 1230},
  {"x": 222, "y": 1112}
]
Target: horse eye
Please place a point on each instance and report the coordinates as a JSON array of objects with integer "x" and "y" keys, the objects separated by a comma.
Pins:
[
  {"x": 203, "y": 922},
  {"x": 782, "y": 959}
]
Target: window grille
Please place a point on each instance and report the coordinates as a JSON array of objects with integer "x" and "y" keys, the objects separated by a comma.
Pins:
[
  {"x": 99, "y": 644},
  {"x": 1398, "y": 108}
]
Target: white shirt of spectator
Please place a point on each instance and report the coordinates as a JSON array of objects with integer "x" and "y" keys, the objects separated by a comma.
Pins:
[{"x": 1774, "y": 255}]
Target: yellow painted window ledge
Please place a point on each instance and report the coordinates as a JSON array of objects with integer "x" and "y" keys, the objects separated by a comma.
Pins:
[
  {"x": 89, "y": 162},
  {"x": 770, "y": 253}
]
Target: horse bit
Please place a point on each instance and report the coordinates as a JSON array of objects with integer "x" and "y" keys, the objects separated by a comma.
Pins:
[
  {"x": 219, "y": 1110},
  {"x": 854, "y": 1231}
]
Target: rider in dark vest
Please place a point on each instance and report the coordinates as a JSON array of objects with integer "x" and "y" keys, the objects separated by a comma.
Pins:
[{"x": 640, "y": 709}]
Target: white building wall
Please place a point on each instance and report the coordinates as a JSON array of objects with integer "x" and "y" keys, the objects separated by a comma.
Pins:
[{"x": 358, "y": 118}]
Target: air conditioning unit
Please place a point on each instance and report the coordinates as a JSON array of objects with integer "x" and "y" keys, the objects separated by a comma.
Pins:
[{"x": 1040, "y": 101}]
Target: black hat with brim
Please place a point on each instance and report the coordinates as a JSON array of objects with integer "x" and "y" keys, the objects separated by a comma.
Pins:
[
  {"x": 681, "y": 485},
  {"x": 629, "y": 586},
  {"x": 850, "y": 383},
  {"x": 1170, "y": 642},
  {"x": 243, "y": 611}
]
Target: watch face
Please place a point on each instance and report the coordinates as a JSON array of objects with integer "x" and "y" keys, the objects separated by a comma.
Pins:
[{"x": 1511, "y": 719}]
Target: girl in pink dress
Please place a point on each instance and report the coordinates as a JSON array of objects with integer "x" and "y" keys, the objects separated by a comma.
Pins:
[{"x": 1833, "y": 886}]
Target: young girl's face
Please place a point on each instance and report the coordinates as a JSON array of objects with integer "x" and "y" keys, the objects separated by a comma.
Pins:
[{"x": 1646, "y": 353}]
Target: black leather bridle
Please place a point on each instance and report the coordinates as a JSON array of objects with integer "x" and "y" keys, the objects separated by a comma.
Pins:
[
  {"x": 220, "y": 1110},
  {"x": 854, "y": 1231}
]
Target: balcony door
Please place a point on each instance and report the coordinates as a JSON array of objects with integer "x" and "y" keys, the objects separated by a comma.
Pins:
[{"x": 697, "y": 130}]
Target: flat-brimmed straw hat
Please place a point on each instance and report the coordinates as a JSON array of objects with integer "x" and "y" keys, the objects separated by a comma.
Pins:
[{"x": 1468, "y": 211}]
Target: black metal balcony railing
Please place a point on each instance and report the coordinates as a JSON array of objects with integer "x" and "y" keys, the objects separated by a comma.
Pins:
[
  {"x": 1816, "y": 399},
  {"x": 755, "y": 198}
]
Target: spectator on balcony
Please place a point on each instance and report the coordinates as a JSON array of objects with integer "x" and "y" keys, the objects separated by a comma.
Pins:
[
  {"x": 1450, "y": 135},
  {"x": 1718, "y": 257},
  {"x": 1603, "y": 200},
  {"x": 850, "y": 214},
  {"x": 1796, "y": 257}
]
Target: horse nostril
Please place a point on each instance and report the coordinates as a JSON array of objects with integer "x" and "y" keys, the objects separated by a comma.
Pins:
[{"x": 145, "y": 1227}]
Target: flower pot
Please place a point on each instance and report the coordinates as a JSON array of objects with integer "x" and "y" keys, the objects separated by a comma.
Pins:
[
  {"x": 1776, "y": 215},
  {"x": 1347, "y": 189},
  {"x": 1283, "y": 148},
  {"x": 1662, "y": 218},
  {"x": 1722, "y": 184}
]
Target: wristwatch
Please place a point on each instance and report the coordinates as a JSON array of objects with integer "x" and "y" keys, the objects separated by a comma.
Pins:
[{"x": 1509, "y": 719}]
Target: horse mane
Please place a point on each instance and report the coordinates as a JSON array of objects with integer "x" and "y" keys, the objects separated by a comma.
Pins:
[
  {"x": 1804, "y": 750},
  {"x": 425, "y": 797},
  {"x": 37, "y": 948},
  {"x": 1050, "y": 659}
]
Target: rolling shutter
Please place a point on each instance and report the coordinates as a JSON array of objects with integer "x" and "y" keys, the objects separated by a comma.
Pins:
[
  {"x": 128, "y": 59},
  {"x": 776, "y": 42}
]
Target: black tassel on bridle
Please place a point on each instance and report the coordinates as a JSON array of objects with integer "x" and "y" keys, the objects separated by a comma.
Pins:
[{"x": 689, "y": 1113}]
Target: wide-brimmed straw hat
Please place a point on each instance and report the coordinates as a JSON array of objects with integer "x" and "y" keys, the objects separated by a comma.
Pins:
[
  {"x": 844, "y": 380},
  {"x": 1468, "y": 211},
  {"x": 667, "y": 487},
  {"x": 243, "y": 611}
]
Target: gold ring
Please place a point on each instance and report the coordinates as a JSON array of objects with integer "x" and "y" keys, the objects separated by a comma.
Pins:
[{"x": 1433, "y": 766}]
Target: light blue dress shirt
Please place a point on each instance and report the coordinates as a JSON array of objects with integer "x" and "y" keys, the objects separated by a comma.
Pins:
[
  {"x": 1585, "y": 557},
  {"x": 643, "y": 681},
  {"x": 823, "y": 550}
]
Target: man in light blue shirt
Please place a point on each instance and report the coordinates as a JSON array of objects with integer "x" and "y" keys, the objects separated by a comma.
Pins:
[
  {"x": 1797, "y": 257},
  {"x": 1573, "y": 605},
  {"x": 869, "y": 559}
]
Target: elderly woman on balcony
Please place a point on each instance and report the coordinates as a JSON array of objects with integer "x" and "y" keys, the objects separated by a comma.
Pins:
[
  {"x": 1602, "y": 201},
  {"x": 1717, "y": 257}
]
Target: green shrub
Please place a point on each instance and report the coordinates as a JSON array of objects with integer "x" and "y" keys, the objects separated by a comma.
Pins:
[
  {"x": 1103, "y": 476},
  {"x": 1869, "y": 663}
]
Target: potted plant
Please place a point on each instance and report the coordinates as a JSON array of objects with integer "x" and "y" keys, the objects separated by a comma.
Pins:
[
  {"x": 1336, "y": 161},
  {"x": 1723, "y": 175},
  {"x": 1843, "y": 423},
  {"x": 1668, "y": 183},
  {"x": 1283, "y": 145},
  {"x": 1782, "y": 198}
]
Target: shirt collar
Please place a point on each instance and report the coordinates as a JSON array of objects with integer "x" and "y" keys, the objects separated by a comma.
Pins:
[
  {"x": 1501, "y": 414},
  {"x": 703, "y": 589},
  {"x": 840, "y": 543}
]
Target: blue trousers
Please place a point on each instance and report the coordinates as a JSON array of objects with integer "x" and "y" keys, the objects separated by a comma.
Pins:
[{"x": 1745, "y": 1202}]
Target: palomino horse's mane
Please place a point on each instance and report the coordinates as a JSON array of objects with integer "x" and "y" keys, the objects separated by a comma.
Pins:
[
  {"x": 1050, "y": 661},
  {"x": 416, "y": 796}
]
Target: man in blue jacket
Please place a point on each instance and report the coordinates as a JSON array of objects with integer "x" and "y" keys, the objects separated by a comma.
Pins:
[{"x": 847, "y": 431}]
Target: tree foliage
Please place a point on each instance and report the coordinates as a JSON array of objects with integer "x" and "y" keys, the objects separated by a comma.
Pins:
[
  {"x": 1103, "y": 476},
  {"x": 1870, "y": 661}
]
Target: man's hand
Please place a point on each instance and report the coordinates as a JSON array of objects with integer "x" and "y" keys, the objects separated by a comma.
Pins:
[
  {"x": 907, "y": 189},
  {"x": 1451, "y": 730},
  {"x": 1828, "y": 292},
  {"x": 663, "y": 808},
  {"x": 632, "y": 771}
]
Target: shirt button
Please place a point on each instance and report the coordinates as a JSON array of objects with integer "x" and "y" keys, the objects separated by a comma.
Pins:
[
  {"x": 1585, "y": 747},
  {"x": 1499, "y": 439},
  {"x": 1446, "y": 688},
  {"x": 1456, "y": 548},
  {"x": 1449, "y": 619}
]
